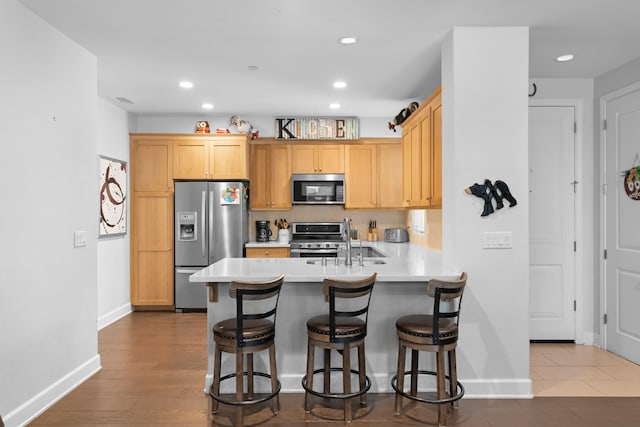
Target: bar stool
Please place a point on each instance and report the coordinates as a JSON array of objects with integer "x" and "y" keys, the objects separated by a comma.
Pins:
[
  {"x": 250, "y": 331},
  {"x": 342, "y": 329},
  {"x": 434, "y": 333}
]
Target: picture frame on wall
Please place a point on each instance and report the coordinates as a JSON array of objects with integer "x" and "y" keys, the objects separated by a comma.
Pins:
[{"x": 113, "y": 197}]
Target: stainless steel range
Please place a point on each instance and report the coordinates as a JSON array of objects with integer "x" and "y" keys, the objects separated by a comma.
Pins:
[{"x": 316, "y": 239}]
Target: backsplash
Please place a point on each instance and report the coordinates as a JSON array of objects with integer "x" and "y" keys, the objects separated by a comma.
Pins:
[
  {"x": 432, "y": 238},
  {"x": 359, "y": 218}
]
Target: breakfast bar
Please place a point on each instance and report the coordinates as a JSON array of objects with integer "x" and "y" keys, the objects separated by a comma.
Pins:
[{"x": 400, "y": 288}]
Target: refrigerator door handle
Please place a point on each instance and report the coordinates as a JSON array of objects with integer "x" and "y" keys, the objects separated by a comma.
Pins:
[
  {"x": 187, "y": 271},
  {"x": 203, "y": 239},
  {"x": 211, "y": 245}
]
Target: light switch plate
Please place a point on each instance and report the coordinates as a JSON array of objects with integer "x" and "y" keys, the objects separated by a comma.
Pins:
[
  {"x": 80, "y": 238},
  {"x": 498, "y": 240}
]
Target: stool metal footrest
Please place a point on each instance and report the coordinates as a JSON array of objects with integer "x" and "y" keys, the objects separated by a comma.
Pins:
[
  {"x": 458, "y": 396},
  {"x": 367, "y": 386},
  {"x": 244, "y": 402}
]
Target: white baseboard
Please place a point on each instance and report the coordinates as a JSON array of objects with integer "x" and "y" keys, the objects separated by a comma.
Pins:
[
  {"x": 589, "y": 338},
  {"x": 381, "y": 383},
  {"x": 35, "y": 406},
  {"x": 114, "y": 315}
]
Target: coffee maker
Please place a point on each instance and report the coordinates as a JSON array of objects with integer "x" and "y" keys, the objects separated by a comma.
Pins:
[{"x": 263, "y": 231}]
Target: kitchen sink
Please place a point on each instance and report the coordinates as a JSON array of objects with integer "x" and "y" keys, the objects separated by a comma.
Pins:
[{"x": 367, "y": 252}]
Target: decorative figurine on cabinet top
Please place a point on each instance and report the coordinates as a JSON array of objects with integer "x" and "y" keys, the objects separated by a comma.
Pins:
[
  {"x": 403, "y": 115},
  {"x": 243, "y": 126},
  {"x": 202, "y": 127}
]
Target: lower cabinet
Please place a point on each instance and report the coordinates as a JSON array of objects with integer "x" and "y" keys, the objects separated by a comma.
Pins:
[
  {"x": 267, "y": 253},
  {"x": 152, "y": 249}
]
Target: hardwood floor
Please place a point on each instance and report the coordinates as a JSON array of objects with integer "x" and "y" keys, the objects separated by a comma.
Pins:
[{"x": 154, "y": 365}]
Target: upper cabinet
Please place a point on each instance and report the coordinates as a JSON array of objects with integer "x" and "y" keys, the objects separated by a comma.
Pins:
[
  {"x": 422, "y": 155},
  {"x": 373, "y": 176},
  {"x": 270, "y": 177},
  {"x": 317, "y": 158},
  {"x": 151, "y": 164},
  {"x": 211, "y": 157}
]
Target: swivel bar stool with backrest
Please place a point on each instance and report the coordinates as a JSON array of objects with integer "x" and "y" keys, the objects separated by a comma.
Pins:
[
  {"x": 437, "y": 332},
  {"x": 342, "y": 329},
  {"x": 252, "y": 330}
]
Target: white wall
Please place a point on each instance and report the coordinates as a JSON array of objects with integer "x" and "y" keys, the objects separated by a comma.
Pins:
[
  {"x": 371, "y": 127},
  {"x": 48, "y": 338},
  {"x": 579, "y": 93},
  {"x": 616, "y": 79},
  {"x": 485, "y": 136},
  {"x": 113, "y": 252}
]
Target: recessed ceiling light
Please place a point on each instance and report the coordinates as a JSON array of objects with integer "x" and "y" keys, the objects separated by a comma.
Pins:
[
  {"x": 185, "y": 85},
  {"x": 334, "y": 106},
  {"x": 348, "y": 40},
  {"x": 339, "y": 85},
  {"x": 207, "y": 106},
  {"x": 564, "y": 58}
]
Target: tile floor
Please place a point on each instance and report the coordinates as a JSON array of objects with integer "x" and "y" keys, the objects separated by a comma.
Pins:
[{"x": 579, "y": 370}]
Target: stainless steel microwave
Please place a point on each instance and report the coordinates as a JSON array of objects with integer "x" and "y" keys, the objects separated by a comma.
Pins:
[{"x": 317, "y": 189}]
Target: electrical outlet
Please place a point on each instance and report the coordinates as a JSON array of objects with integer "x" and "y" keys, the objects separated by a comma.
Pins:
[
  {"x": 498, "y": 240},
  {"x": 80, "y": 238}
]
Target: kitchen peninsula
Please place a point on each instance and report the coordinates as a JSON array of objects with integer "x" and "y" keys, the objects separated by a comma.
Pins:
[{"x": 400, "y": 289}]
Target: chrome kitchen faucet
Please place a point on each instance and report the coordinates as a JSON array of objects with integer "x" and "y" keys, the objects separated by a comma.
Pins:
[{"x": 347, "y": 238}]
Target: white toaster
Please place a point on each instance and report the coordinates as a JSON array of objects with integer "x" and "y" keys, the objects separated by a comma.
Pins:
[{"x": 396, "y": 235}]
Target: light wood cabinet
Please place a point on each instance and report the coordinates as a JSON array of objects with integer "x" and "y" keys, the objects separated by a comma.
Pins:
[
  {"x": 270, "y": 177},
  {"x": 150, "y": 164},
  {"x": 389, "y": 175},
  {"x": 211, "y": 157},
  {"x": 156, "y": 160},
  {"x": 152, "y": 249},
  {"x": 151, "y": 226},
  {"x": 422, "y": 155},
  {"x": 317, "y": 158},
  {"x": 373, "y": 176},
  {"x": 267, "y": 253}
]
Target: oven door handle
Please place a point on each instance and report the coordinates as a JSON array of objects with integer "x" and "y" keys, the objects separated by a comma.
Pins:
[{"x": 314, "y": 253}]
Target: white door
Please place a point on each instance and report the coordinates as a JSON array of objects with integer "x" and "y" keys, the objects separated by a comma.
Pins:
[
  {"x": 622, "y": 228},
  {"x": 551, "y": 223}
]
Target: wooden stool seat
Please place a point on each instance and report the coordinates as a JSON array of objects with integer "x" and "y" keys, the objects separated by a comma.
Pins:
[
  {"x": 342, "y": 329},
  {"x": 252, "y": 330},
  {"x": 319, "y": 328},
  {"x": 433, "y": 333}
]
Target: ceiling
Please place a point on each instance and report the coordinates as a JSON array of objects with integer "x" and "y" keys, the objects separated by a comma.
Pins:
[{"x": 145, "y": 47}]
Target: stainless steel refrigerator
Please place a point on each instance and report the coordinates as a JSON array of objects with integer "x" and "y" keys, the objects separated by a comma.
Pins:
[{"x": 211, "y": 223}]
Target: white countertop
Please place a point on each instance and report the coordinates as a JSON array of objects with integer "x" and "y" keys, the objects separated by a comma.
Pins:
[{"x": 405, "y": 262}]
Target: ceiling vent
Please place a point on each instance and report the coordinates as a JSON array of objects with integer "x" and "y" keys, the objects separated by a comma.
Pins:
[{"x": 123, "y": 100}]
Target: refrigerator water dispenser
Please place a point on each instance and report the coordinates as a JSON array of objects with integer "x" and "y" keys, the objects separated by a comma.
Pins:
[{"x": 187, "y": 226}]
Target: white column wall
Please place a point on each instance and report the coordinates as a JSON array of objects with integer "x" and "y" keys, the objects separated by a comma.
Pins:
[
  {"x": 48, "y": 338},
  {"x": 485, "y": 135}
]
